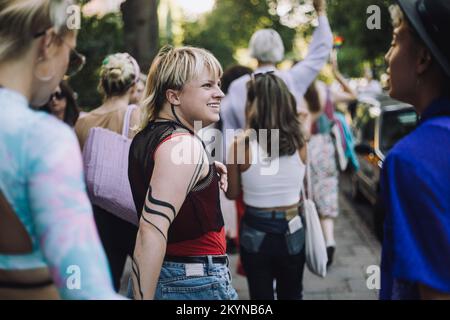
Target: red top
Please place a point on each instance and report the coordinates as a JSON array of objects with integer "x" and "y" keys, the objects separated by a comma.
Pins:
[{"x": 211, "y": 243}]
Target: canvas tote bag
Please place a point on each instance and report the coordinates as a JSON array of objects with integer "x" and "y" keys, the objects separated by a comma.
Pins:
[{"x": 315, "y": 248}]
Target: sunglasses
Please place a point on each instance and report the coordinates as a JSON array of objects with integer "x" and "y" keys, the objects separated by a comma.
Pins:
[
  {"x": 76, "y": 59},
  {"x": 58, "y": 95}
]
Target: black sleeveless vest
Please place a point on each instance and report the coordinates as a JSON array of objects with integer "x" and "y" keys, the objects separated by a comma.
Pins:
[{"x": 200, "y": 212}]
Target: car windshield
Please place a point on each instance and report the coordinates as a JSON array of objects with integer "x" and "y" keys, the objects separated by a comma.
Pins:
[{"x": 394, "y": 126}]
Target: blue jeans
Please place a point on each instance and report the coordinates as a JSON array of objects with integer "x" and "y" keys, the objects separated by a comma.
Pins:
[{"x": 213, "y": 284}]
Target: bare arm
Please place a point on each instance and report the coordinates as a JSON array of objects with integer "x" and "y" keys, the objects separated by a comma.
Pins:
[
  {"x": 347, "y": 94},
  {"x": 169, "y": 185},
  {"x": 238, "y": 161},
  {"x": 304, "y": 72}
]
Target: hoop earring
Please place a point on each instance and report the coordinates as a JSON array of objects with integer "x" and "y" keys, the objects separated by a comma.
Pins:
[{"x": 45, "y": 78}]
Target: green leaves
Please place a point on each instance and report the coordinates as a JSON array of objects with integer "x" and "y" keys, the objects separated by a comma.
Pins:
[
  {"x": 230, "y": 25},
  {"x": 98, "y": 38}
]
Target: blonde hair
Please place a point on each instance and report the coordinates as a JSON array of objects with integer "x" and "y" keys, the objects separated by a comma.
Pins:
[
  {"x": 119, "y": 72},
  {"x": 171, "y": 69},
  {"x": 21, "y": 20}
]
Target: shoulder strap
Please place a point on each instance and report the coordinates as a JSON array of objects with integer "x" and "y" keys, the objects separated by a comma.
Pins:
[
  {"x": 126, "y": 120},
  {"x": 307, "y": 177}
]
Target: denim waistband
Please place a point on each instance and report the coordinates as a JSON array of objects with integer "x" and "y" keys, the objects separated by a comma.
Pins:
[
  {"x": 274, "y": 214},
  {"x": 198, "y": 259}
]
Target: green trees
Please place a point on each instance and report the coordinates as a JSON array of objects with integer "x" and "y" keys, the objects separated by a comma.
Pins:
[
  {"x": 230, "y": 25},
  {"x": 349, "y": 19},
  {"x": 98, "y": 37},
  {"x": 227, "y": 28},
  {"x": 232, "y": 22}
]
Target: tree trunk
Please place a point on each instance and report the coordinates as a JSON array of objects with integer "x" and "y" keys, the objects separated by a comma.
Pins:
[{"x": 141, "y": 30}]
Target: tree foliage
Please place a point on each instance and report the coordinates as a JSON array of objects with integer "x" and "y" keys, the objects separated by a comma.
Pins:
[
  {"x": 97, "y": 38},
  {"x": 349, "y": 19},
  {"x": 230, "y": 25}
]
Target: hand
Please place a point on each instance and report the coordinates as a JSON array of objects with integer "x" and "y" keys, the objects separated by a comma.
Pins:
[
  {"x": 320, "y": 6},
  {"x": 222, "y": 171}
]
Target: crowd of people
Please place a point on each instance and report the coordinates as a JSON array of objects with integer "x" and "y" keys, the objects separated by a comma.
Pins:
[{"x": 277, "y": 126}]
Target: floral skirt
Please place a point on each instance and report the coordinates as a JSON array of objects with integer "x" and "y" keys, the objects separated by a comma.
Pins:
[{"x": 324, "y": 175}]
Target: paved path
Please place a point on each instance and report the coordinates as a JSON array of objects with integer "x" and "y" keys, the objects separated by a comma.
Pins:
[{"x": 357, "y": 249}]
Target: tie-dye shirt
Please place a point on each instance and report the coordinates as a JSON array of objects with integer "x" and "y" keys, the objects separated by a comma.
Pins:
[{"x": 41, "y": 177}]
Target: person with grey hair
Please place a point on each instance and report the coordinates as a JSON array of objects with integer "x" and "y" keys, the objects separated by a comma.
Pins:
[{"x": 267, "y": 47}]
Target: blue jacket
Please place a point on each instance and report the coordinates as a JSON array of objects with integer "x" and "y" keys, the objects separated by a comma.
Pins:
[{"x": 415, "y": 187}]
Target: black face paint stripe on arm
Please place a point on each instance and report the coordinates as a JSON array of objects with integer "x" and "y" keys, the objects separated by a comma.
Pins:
[
  {"x": 159, "y": 202},
  {"x": 151, "y": 211},
  {"x": 137, "y": 274},
  {"x": 162, "y": 233}
]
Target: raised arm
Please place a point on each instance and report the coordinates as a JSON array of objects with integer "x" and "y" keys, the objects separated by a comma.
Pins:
[
  {"x": 305, "y": 71},
  {"x": 63, "y": 218},
  {"x": 170, "y": 183},
  {"x": 347, "y": 94}
]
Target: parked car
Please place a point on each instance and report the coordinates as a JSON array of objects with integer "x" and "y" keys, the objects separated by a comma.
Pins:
[{"x": 379, "y": 123}]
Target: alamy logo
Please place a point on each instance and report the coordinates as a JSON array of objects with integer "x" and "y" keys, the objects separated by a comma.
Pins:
[
  {"x": 373, "y": 281},
  {"x": 73, "y": 282},
  {"x": 214, "y": 140},
  {"x": 73, "y": 17},
  {"x": 374, "y": 21}
]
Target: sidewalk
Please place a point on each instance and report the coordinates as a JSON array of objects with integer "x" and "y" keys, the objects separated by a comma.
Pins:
[{"x": 356, "y": 249}]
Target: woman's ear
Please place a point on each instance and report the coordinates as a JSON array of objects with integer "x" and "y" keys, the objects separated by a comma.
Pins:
[
  {"x": 172, "y": 97},
  {"x": 47, "y": 45},
  {"x": 424, "y": 60}
]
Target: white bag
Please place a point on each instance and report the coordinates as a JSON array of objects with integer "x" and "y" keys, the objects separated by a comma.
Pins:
[{"x": 315, "y": 248}]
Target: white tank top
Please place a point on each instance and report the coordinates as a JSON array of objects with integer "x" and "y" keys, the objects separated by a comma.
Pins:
[{"x": 275, "y": 183}]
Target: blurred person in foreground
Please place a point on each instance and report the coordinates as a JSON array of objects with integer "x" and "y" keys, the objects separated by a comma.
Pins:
[
  {"x": 415, "y": 178},
  {"x": 49, "y": 246}
]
